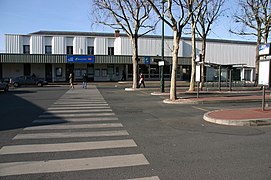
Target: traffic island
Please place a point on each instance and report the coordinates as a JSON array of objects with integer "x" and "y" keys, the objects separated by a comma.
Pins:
[{"x": 239, "y": 117}]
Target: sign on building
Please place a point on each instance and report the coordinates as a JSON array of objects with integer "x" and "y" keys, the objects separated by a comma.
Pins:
[{"x": 80, "y": 59}]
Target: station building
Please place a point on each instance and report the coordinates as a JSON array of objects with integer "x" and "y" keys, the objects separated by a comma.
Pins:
[{"x": 52, "y": 55}]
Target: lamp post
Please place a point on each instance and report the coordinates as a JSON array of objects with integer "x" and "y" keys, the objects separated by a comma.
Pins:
[{"x": 161, "y": 66}]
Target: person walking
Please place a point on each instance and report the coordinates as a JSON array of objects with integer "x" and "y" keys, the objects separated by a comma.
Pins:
[
  {"x": 141, "y": 80},
  {"x": 85, "y": 81},
  {"x": 71, "y": 80},
  {"x": 123, "y": 78}
]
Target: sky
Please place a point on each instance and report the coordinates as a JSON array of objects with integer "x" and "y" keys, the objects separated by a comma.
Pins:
[{"x": 27, "y": 16}]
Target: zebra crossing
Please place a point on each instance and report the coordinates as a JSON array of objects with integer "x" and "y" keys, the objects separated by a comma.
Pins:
[{"x": 79, "y": 113}]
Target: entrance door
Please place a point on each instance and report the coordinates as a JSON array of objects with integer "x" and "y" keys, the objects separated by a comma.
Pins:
[
  {"x": 27, "y": 69},
  {"x": 48, "y": 72},
  {"x": 90, "y": 72}
]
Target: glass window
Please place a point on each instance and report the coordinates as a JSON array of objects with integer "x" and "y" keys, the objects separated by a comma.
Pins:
[
  {"x": 97, "y": 72},
  {"x": 48, "y": 49},
  {"x": 110, "y": 50},
  {"x": 104, "y": 72},
  {"x": 69, "y": 49},
  {"x": 26, "y": 49},
  {"x": 90, "y": 50},
  {"x": 59, "y": 72}
]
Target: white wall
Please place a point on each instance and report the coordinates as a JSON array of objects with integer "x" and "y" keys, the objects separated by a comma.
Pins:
[
  {"x": 13, "y": 43},
  {"x": 225, "y": 52},
  {"x": 100, "y": 46},
  {"x": 37, "y": 45},
  {"x": 80, "y": 45},
  {"x": 58, "y": 45}
]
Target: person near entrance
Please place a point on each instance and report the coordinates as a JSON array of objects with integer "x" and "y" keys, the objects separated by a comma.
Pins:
[
  {"x": 141, "y": 80},
  {"x": 123, "y": 78},
  {"x": 71, "y": 80},
  {"x": 85, "y": 81}
]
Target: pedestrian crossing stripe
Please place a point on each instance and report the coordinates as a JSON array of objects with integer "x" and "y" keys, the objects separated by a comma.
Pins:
[
  {"x": 71, "y": 134},
  {"x": 72, "y": 119},
  {"x": 75, "y": 115},
  {"x": 74, "y": 126},
  {"x": 61, "y": 147},
  {"x": 50, "y": 166}
]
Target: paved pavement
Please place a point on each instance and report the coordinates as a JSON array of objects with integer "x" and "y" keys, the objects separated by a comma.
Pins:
[{"x": 235, "y": 117}]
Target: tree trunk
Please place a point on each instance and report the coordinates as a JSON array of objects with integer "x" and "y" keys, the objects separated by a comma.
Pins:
[
  {"x": 193, "y": 64},
  {"x": 176, "y": 42},
  {"x": 135, "y": 61},
  {"x": 203, "y": 53},
  {"x": 257, "y": 57}
]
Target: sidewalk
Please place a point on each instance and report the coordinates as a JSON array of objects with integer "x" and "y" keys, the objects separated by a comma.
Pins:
[{"x": 235, "y": 117}]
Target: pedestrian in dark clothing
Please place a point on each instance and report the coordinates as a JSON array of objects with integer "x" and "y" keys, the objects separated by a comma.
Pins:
[
  {"x": 141, "y": 80},
  {"x": 85, "y": 81},
  {"x": 123, "y": 78}
]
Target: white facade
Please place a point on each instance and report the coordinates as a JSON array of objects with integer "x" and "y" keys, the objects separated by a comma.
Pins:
[
  {"x": 219, "y": 52},
  {"x": 223, "y": 52}
]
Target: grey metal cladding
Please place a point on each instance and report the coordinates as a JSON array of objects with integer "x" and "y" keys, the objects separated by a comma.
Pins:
[{"x": 62, "y": 58}]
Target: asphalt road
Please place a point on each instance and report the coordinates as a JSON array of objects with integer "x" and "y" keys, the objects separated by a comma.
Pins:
[{"x": 174, "y": 139}]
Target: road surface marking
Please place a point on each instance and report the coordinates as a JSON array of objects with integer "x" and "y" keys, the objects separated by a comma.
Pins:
[
  {"x": 76, "y": 111},
  {"x": 76, "y": 115},
  {"x": 60, "y": 147},
  {"x": 34, "y": 167},
  {"x": 75, "y": 126},
  {"x": 80, "y": 107},
  {"x": 202, "y": 109},
  {"x": 88, "y": 119},
  {"x": 70, "y": 134},
  {"x": 146, "y": 178}
]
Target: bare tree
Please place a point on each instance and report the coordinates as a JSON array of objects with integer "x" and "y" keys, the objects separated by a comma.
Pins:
[
  {"x": 195, "y": 9},
  {"x": 132, "y": 16},
  {"x": 176, "y": 18},
  {"x": 210, "y": 12},
  {"x": 254, "y": 18}
]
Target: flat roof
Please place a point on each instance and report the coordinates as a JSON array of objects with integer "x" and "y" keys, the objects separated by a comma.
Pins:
[{"x": 105, "y": 34}]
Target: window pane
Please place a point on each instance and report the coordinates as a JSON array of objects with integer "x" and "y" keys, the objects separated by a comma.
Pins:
[
  {"x": 110, "y": 50},
  {"x": 26, "y": 49},
  {"x": 90, "y": 50},
  {"x": 48, "y": 49},
  {"x": 69, "y": 49}
]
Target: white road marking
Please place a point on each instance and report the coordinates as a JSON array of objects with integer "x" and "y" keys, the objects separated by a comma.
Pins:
[
  {"x": 87, "y": 119},
  {"x": 34, "y": 167},
  {"x": 77, "y": 111},
  {"x": 74, "y": 102},
  {"x": 80, "y": 107},
  {"x": 75, "y": 126},
  {"x": 71, "y": 134},
  {"x": 202, "y": 109},
  {"x": 146, "y": 178},
  {"x": 60, "y": 147},
  {"x": 76, "y": 115}
]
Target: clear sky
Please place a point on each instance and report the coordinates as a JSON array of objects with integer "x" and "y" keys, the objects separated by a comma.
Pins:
[{"x": 27, "y": 16}]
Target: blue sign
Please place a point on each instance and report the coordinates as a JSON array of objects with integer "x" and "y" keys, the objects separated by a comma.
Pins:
[
  {"x": 147, "y": 60},
  {"x": 80, "y": 59}
]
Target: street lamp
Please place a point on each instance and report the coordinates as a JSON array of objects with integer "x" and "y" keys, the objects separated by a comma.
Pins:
[{"x": 161, "y": 66}]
